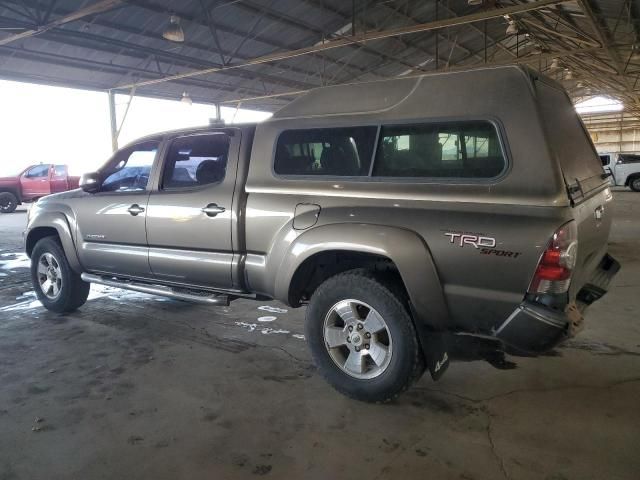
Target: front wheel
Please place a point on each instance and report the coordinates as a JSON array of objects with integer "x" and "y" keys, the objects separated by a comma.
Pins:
[
  {"x": 635, "y": 184},
  {"x": 57, "y": 286},
  {"x": 362, "y": 338},
  {"x": 8, "y": 202}
]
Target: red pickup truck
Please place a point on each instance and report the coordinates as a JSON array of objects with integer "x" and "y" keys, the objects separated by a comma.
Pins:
[{"x": 34, "y": 182}]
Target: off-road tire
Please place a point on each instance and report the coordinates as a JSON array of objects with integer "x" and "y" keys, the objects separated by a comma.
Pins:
[
  {"x": 73, "y": 291},
  {"x": 8, "y": 202},
  {"x": 388, "y": 299},
  {"x": 634, "y": 184}
]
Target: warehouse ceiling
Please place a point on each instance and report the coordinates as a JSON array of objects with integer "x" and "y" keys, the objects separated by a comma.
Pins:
[{"x": 261, "y": 53}]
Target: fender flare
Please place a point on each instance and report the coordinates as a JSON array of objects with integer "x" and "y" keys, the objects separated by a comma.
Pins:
[
  {"x": 406, "y": 249},
  {"x": 60, "y": 223}
]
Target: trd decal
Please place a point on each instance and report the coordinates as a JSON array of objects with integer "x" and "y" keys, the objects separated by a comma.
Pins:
[
  {"x": 476, "y": 241},
  {"x": 499, "y": 253}
]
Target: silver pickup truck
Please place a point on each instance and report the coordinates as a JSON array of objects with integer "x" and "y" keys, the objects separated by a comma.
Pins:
[{"x": 413, "y": 216}]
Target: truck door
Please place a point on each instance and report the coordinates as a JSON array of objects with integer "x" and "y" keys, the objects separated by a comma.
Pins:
[
  {"x": 627, "y": 164},
  {"x": 190, "y": 215},
  {"x": 111, "y": 223},
  {"x": 35, "y": 182},
  {"x": 59, "y": 179}
]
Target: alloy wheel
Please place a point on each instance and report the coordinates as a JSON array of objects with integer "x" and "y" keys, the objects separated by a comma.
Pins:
[
  {"x": 357, "y": 339},
  {"x": 49, "y": 275}
]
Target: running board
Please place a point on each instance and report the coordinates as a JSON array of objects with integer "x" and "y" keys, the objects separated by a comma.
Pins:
[{"x": 200, "y": 297}]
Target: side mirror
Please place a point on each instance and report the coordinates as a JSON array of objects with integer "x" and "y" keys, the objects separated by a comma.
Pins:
[{"x": 90, "y": 182}]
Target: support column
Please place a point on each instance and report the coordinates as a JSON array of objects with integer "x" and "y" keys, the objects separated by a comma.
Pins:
[{"x": 112, "y": 120}]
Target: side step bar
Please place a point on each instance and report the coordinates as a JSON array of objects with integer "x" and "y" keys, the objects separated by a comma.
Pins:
[{"x": 200, "y": 297}]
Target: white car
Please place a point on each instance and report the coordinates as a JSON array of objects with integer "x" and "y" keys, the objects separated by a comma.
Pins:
[{"x": 624, "y": 168}]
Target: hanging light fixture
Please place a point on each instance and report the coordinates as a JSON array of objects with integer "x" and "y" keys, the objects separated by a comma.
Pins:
[
  {"x": 555, "y": 64},
  {"x": 568, "y": 74},
  {"x": 174, "y": 32},
  {"x": 512, "y": 28},
  {"x": 186, "y": 99}
]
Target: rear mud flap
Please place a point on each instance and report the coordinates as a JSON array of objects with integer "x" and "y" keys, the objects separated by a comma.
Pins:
[{"x": 436, "y": 354}]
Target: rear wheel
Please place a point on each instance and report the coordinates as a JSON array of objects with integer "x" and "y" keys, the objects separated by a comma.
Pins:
[
  {"x": 57, "y": 286},
  {"x": 635, "y": 184},
  {"x": 8, "y": 202},
  {"x": 362, "y": 338}
]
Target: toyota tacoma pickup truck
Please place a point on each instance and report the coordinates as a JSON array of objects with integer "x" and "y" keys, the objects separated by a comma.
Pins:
[
  {"x": 33, "y": 183},
  {"x": 410, "y": 216}
]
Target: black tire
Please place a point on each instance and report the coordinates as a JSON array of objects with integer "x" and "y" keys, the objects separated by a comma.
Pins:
[
  {"x": 634, "y": 184},
  {"x": 72, "y": 292},
  {"x": 406, "y": 362},
  {"x": 8, "y": 202}
]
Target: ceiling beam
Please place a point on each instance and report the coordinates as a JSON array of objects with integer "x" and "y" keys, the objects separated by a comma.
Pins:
[
  {"x": 80, "y": 38},
  {"x": 363, "y": 38},
  {"x": 56, "y": 60},
  {"x": 259, "y": 38},
  {"x": 99, "y": 7},
  {"x": 525, "y": 60},
  {"x": 610, "y": 51}
]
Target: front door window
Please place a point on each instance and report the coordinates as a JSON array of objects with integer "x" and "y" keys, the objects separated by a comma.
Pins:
[{"x": 129, "y": 172}]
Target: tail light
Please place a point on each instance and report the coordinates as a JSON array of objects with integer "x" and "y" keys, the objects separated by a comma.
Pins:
[{"x": 553, "y": 274}]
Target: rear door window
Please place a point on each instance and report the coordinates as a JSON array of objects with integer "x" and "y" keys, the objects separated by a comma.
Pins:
[
  {"x": 196, "y": 160},
  {"x": 440, "y": 150},
  {"x": 60, "y": 171},
  {"x": 341, "y": 152}
]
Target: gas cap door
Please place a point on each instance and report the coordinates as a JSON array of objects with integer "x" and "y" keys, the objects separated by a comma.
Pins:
[{"x": 305, "y": 215}]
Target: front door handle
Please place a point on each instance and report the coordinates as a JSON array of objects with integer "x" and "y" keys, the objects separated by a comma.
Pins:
[
  {"x": 212, "y": 210},
  {"x": 135, "y": 209}
]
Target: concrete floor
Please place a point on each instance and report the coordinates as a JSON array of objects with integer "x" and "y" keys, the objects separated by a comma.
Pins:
[{"x": 133, "y": 386}]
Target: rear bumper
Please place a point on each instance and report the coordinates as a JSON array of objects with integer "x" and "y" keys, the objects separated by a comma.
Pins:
[{"x": 534, "y": 328}]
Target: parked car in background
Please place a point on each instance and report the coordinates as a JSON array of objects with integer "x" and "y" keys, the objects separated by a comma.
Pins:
[
  {"x": 412, "y": 216},
  {"x": 624, "y": 168},
  {"x": 34, "y": 182}
]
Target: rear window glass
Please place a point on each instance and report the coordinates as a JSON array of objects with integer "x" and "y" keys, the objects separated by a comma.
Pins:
[
  {"x": 443, "y": 150},
  {"x": 344, "y": 152}
]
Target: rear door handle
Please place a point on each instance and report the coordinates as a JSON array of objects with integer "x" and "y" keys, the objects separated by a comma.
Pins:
[
  {"x": 212, "y": 210},
  {"x": 135, "y": 209}
]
